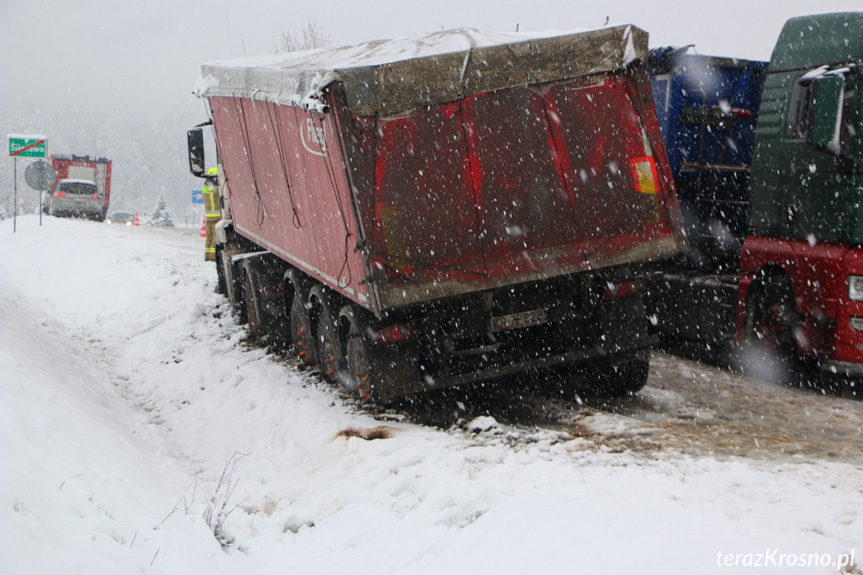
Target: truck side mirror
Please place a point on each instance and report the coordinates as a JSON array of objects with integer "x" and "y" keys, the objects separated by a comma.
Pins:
[
  {"x": 827, "y": 113},
  {"x": 195, "y": 138}
]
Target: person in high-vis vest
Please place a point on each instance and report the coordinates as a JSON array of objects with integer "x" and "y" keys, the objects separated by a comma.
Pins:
[{"x": 212, "y": 212}]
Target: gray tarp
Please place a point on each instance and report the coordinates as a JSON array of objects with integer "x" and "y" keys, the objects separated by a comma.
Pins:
[{"x": 392, "y": 76}]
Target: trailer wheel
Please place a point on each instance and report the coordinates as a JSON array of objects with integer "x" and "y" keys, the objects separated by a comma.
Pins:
[
  {"x": 301, "y": 330},
  {"x": 359, "y": 368},
  {"x": 251, "y": 304},
  {"x": 770, "y": 347},
  {"x": 221, "y": 285},
  {"x": 360, "y": 374},
  {"x": 621, "y": 379},
  {"x": 329, "y": 348}
]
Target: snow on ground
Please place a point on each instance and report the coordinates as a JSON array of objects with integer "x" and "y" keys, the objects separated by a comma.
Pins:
[{"x": 136, "y": 427}]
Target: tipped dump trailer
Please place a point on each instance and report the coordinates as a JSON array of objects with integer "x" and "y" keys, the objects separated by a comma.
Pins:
[{"x": 437, "y": 211}]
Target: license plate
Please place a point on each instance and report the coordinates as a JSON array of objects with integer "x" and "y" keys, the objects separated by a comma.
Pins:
[{"x": 521, "y": 319}]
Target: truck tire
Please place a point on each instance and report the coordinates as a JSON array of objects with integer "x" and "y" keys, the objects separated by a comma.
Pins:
[
  {"x": 359, "y": 368},
  {"x": 301, "y": 330},
  {"x": 622, "y": 379},
  {"x": 251, "y": 304},
  {"x": 328, "y": 344},
  {"x": 221, "y": 285},
  {"x": 769, "y": 342},
  {"x": 359, "y": 378}
]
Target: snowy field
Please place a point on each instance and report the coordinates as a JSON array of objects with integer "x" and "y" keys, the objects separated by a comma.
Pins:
[{"x": 140, "y": 434}]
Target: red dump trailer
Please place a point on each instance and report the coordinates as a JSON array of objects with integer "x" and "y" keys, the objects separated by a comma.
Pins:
[{"x": 456, "y": 208}]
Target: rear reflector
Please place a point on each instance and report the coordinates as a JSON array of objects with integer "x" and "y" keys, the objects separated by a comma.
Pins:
[
  {"x": 644, "y": 174},
  {"x": 628, "y": 288},
  {"x": 394, "y": 334}
]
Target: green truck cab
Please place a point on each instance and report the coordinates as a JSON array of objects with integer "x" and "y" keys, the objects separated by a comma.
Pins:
[{"x": 801, "y": 265}]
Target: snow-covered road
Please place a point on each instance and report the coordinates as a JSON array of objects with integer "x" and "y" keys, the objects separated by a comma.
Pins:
[{"x": 135, "y": 422}]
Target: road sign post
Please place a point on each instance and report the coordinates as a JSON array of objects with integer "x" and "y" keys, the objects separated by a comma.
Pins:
[
  {"x": 15, "y": 195},
  {"x": 40, "y": 176},
  {"x": 24, "y": 146}
]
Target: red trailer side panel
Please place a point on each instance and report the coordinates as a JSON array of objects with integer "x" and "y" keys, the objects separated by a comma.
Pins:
[{"x": 288, "y": 190}]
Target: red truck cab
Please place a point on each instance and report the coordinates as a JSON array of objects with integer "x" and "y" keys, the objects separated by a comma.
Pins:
[{"x": 801, "y": 264}]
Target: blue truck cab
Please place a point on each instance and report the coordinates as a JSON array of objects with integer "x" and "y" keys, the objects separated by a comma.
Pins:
[{"x": 707, "y": 109}]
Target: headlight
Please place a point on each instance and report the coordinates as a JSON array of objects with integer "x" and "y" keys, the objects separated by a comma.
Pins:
[{"x": 855, "y": 288}]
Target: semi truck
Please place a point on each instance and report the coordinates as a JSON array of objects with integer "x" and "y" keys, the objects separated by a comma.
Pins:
[
  {"x": 766, "y": 159},
  {"x": 456, "y": 208},
  {"x": 82, "y": 187}
]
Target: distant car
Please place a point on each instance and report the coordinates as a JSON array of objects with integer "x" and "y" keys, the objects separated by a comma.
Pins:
[
  {"x": 78, "y": 198},
  {"x": 121, "y": 218}
]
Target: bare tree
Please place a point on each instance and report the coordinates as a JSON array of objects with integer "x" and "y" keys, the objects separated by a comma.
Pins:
[{"x": 310, "y": 35}]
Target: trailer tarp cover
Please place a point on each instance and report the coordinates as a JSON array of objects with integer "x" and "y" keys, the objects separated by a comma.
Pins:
[{"x": 390, "y": 76}]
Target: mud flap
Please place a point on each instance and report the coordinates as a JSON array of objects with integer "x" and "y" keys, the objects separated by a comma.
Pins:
[
  {"x": 623, "y": 326},
  {"x": 378, "y": 372},
  {"x": 397, "y": 370}
]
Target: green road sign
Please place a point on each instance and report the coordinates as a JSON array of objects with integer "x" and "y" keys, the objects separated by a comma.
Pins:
[{"x": 27, "y": 147}]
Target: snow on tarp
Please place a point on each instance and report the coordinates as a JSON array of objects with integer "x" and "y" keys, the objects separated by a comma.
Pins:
[{"x": 392, "y": 76}]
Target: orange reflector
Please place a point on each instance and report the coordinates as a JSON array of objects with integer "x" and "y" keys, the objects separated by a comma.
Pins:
[
  {"x": 645, "y": 176},
  {"x": 394, "y": 334},
  {"x": 627, "y": 288}
]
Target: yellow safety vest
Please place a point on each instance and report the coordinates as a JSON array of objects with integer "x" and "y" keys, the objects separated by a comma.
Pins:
[{"x": 211, "y": 203}]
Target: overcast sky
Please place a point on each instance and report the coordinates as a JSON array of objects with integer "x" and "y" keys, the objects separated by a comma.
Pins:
[
  {"x": 114, "y": 77},
  {"x": 147, "y": 52}
]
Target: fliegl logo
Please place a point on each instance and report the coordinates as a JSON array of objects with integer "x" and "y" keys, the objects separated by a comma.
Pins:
[{"x": 313, "y": 137}]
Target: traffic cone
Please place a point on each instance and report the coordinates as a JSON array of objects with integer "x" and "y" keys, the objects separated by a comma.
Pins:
[
  {"x": 137, "y": 221},
  {"x": 204, "y": 227}
]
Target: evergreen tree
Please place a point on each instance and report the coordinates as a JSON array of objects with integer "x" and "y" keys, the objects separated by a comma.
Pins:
[{"x": 161, "y": 216}]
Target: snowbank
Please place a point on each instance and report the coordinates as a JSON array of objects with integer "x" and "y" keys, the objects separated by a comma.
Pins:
[{"x": 131, "y": 412}]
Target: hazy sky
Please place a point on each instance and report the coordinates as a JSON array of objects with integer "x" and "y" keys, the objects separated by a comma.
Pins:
[{"x": 114, "y": 77}]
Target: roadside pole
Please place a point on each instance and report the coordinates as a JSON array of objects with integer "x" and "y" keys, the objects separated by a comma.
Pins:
[
  {"x": 15, "y": 196},
  {"x": 40, "y": 176}
]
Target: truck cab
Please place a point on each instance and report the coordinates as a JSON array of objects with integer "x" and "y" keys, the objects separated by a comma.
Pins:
[
  {"x": 768, "y": 168},
  {"x": 802, "y": 262}
]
